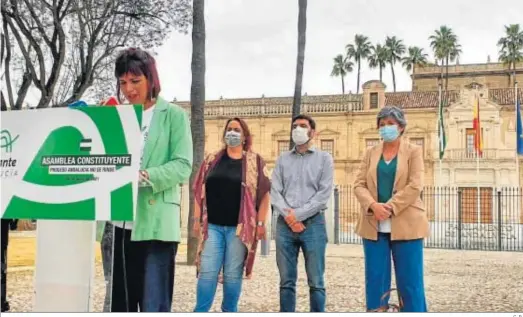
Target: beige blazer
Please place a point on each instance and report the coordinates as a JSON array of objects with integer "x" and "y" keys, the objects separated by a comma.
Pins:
[{"x": 409, "y": 219}]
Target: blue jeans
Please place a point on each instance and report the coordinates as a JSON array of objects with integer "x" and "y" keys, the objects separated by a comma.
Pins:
[
  {"x": 313, "y": 242},
  {"x": 408, "y": 264},
  {"x": 223, "y": 249}
]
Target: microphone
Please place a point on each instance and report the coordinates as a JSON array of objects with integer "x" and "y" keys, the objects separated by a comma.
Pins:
[
  {"x": 77, "y": 104},
  {"x": 112, "y": 101}
]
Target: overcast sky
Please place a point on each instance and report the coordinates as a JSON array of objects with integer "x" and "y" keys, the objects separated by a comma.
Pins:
[{"x": 252, "y": 44}]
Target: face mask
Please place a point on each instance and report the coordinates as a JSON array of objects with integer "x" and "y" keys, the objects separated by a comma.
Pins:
[
  {"x": 300, "y": 135},
  {"x": 389, "y": 133},
  {"x": 233, "y": 138}
]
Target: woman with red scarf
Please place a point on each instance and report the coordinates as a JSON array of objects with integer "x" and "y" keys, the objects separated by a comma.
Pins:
[{"x": 231, "y": 204}]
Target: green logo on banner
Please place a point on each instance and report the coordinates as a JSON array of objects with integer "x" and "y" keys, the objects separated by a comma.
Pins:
[
  {"x": 79, "y": 169},
  {"x": 7, "y": 141}
]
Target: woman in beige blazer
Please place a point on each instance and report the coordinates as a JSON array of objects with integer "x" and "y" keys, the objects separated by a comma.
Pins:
[{"x": 393, "y": 220}]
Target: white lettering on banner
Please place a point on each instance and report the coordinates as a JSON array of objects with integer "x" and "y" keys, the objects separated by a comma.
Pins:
[
  {"x": 71, "y": 146},
  {"x": 78, "y": 169},
  {"x": 481, "y": 231},
  {"x": 119, "y": 160}
]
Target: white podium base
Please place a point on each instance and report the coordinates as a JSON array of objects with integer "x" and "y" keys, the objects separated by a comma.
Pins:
[{"x": 64, "y": 271}]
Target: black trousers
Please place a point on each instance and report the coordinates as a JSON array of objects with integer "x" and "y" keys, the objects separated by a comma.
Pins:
[
  {"x": 147, "y": 282},
  {"x": 5, "y": 224}
]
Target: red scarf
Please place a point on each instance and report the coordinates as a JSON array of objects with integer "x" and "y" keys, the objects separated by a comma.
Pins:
[{"x": 255, "y": 185}]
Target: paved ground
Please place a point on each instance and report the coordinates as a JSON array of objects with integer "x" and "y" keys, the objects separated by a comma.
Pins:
[{"x": 456, "y": 281}]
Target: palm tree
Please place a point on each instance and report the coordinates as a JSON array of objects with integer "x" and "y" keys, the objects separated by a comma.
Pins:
[
  {"x": 511, "y": 47},
  {"x": 416, "y": 57},
  {"x": 359, "y": 51},
  {"x": 197, "y": 113},
  {"x": 395, "y": 50},
  {"x": 446, "y": 48},
  {"x": 342, "y": 66},
  {"x": 378, "y": 58},
  {"x": 302, "y": 30}
]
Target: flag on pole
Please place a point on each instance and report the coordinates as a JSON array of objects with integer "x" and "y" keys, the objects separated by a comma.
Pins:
[
  {"x": 441, "y": 132},
  {"x": 519, "y": 129},
  {"x": 476, "y": 125}
]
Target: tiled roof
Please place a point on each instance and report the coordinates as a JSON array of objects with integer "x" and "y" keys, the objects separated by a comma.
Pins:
[
  {"x": 504, "y": 96},
  {"x": 279, "y": 100},
  {"x": 408, "y": 99},
  {"x": 417, "y": 99}
]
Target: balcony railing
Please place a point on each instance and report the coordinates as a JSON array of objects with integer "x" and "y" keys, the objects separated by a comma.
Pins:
[
  {"x": 275, "y": 110},
  {"x": 468, "y": 154}
]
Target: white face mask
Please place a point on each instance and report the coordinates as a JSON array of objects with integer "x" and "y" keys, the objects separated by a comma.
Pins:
[
  {"x": 300, "y": 135},
  {"x": 233, "y": 138}
]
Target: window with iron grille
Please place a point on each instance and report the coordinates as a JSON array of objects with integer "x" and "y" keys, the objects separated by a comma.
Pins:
[
  {"x": 328, "y": 146},
  {"x": 282, "y": 147},
  {"x": 373, "y": 100},
  {"x": 371, "y": 142},
  {"x": 471, "y": 212}
]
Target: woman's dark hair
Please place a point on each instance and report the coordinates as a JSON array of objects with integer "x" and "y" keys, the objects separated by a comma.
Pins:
[
  {"x": 246, "y": 132},
  {"x": 137, "y": 62}
]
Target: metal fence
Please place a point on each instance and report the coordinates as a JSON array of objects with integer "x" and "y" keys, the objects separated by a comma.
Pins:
[{"x": 469, "y": 218}]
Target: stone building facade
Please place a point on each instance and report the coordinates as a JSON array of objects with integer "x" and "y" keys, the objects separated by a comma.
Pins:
[
  {"x": 346, "y": 126},
  {"x": 490, "y": 75}
]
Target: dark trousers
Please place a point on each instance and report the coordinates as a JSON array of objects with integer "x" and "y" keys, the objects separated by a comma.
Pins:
[
  {"x": 107, "y": 262},
  {"x": 408, "y": 264},
  {"x": 313, "y": 242},
  {"x": 5, "y": 241},
  {"x": 148, "y": 274}
]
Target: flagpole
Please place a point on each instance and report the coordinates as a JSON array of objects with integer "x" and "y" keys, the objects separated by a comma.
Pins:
[
  {"x": 478, "y": 150},
  {"x": 517, "y": 103},
  {"x": 440, "y": 172},
  {"x": 516, "y": 128}
]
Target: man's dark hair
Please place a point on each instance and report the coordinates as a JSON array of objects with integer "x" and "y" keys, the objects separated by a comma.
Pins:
[{"x": 312, "y": 123}]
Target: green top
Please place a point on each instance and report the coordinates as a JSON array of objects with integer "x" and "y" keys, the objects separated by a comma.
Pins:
[
  {"x": 167, "y": 157},
  {"x": 386, "y": 175}
]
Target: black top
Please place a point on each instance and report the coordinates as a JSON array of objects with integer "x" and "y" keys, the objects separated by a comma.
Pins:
[{"x": 223, "y": 189}]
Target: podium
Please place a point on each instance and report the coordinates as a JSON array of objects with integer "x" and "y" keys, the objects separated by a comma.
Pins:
[
  {"x": 69, "y": 168},
  {"x": 64, "y": 277}
]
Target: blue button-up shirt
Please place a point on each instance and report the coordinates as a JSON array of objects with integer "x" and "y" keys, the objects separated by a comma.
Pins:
[{"x": 302, "y": 182}]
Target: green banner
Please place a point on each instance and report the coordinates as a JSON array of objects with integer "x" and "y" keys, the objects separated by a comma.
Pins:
[{"x": 70, "y": 163}]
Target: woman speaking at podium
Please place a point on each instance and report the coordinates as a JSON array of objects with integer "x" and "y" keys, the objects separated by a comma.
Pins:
[{"x": 144, "y": 251}]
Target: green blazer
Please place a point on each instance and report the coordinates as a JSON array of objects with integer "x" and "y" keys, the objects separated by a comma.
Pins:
[{"x": 167, "y": 157}]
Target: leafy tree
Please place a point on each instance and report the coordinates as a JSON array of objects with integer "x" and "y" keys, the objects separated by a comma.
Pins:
[
  {"x": 342, "y": 66},
  {"x": 395, "y": 50},
  {"x": 378, "y": 58},
  {"x": 68, "y": 45},
  {"x": 416, "y": 57},
  {"x": 359, "y": 51},
  {"x": 511, "y": 47},
  {"x": 446, "y": 48}
]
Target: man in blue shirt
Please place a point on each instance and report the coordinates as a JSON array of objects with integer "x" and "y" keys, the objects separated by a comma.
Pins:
[{"x": 302, "y": 183}]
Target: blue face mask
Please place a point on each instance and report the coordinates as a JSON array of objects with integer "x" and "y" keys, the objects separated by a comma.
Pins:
[{"x": 389, "y": 133}]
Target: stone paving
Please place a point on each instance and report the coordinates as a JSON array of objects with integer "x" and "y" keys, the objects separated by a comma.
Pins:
[{"x": 456, "y": 281}]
